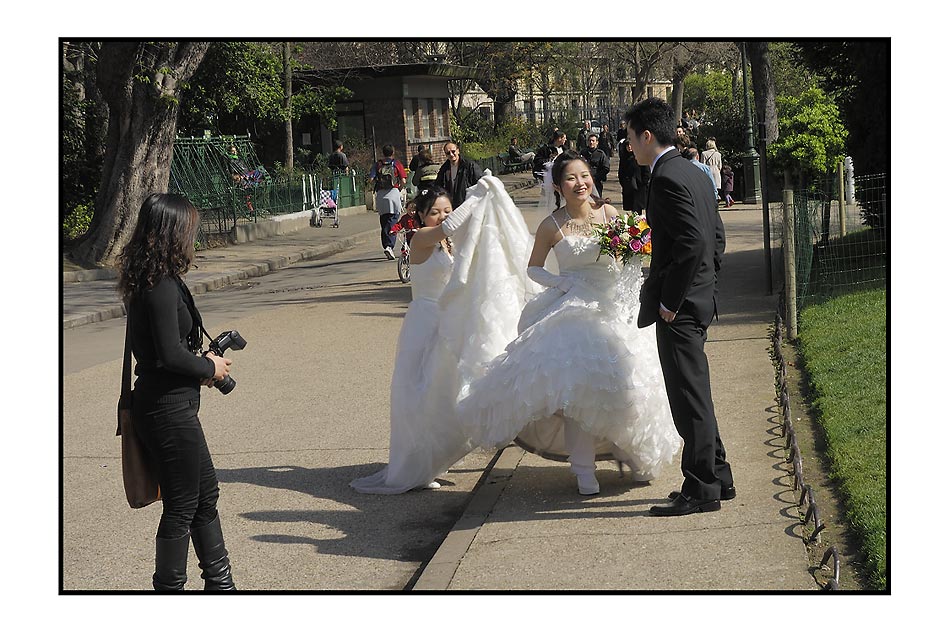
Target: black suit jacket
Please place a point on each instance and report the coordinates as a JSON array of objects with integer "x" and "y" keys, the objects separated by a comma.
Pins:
[
  {"x": 688, "y": 242},
  {"x": 468, "y": 174}
]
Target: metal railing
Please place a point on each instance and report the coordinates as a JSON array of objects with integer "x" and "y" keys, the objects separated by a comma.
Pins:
[
  {"x": 236, "y": 205},
  {"x": 794, "y": 457}
]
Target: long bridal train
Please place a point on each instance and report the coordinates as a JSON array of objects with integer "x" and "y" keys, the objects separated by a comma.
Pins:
[{"x": 491, "y": 358}]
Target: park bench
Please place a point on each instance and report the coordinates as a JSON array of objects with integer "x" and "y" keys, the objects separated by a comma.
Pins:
[{"x": 511, "y": 165}]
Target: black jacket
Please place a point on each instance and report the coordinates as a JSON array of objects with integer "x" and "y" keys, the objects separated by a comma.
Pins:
[
  {"x": 688, "y": 242},
  {"x": 164, "y": 333},
  {"x": 468, "y": 174},
  {"x": 599, "y": 163},
  {"x": 607, "y": 143}
]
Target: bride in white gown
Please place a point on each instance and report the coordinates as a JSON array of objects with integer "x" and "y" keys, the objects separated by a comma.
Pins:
[
  {"x": 580, "y": 380},
  {"x": 467, "y": 298}
]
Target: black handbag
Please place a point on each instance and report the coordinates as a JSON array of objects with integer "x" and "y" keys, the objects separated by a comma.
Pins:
[{"x": 141, "y": 483}]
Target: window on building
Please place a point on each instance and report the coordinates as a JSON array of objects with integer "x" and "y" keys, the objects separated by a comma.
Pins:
[
  {"x": 425, "y": 115},
  {"x": 412, "y": 125},
  {"x": 669, "y": 93},
  {"x": 649, "y": 92},
  {"x": 350, "y": 122}
]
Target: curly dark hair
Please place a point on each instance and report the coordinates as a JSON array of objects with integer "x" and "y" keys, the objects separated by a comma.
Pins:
[{"x": 162, "y": 244}]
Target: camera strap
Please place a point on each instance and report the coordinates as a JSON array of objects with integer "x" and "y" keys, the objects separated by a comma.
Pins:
[{"x": 197, "y": 329}]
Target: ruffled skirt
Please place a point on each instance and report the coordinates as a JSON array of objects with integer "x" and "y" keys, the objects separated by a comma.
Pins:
[{"x": 578, "y": 356}]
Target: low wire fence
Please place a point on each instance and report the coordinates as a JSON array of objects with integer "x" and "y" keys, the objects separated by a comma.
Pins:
[{"x": 838, "y": 236}]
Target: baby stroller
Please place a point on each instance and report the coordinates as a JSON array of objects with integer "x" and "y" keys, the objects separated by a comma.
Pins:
[{"x": 326, "y": 209}]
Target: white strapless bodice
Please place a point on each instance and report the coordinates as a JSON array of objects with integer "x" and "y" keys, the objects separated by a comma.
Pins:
[
  {"x": 431, "y": 276},
  {"x": 577, "y": 257}
]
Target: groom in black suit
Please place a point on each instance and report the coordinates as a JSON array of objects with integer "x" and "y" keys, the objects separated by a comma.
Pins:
[{"x": 680, "y": 297}]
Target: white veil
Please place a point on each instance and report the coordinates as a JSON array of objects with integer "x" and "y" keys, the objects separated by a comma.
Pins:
[{"x": 478, "y": 313}]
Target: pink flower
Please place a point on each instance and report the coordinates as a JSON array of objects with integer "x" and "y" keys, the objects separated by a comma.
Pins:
[
  {"x": 615, "y": 241},
  {"x": 635, "y": 246}
]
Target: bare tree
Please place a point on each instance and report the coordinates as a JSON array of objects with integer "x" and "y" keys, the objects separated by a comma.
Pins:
[
  {"x": 643, "y": 59},
  {"x": 140, "y": 82}
]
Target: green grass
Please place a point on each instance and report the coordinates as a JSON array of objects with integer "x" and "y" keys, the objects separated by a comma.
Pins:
[{"x": 843, "y": 345}]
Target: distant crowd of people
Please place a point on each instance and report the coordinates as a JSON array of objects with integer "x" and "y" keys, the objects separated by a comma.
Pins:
[{"x": 597, "y": 146}]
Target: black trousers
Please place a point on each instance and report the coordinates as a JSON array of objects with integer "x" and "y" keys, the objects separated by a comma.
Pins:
[
  {"x": 686, "y": 374},
  {"x": 177, "y": 448}
]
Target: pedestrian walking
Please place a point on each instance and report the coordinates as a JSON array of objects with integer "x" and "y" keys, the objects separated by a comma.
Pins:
[
  {"x": 457, "y": 174},
  {"x": 388, "y": 176}
]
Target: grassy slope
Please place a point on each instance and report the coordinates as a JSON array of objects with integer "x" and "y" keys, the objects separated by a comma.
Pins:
[{"x": 843, "y": 344}]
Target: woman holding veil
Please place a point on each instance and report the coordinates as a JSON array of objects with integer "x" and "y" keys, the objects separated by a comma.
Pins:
[{"x": 468, "y": 288}]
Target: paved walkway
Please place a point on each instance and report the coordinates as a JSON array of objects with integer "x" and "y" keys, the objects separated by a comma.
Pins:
[{"x": 526, "y": 528}]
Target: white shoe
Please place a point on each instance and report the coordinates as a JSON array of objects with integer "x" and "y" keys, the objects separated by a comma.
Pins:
[
  {"x": 432, "y": 485},
  {"x": 587, "y": 484},
  {"x": 389, "y": 253}
]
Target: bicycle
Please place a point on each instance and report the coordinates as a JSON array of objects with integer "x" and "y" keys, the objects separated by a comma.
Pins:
[{"x": 406, "y": 228}]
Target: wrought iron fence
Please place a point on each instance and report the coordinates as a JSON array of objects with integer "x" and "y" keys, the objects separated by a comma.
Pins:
[
  {"x": 230, "y": 189},
  {"x": 840, "y": 238},
  {"x": 811, "y": 535}
]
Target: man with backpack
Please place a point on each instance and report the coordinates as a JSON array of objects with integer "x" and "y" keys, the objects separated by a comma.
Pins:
[
  {"x": 457, "y": 174},
  {"x": 388, "y": 176}
]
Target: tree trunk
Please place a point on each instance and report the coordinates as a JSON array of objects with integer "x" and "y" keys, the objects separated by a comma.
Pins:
[
  {"x": 679, "y": 87},
  {"x": 503, "y": 96},
  {"x": 763, "y": 87},
  {"x": 288, "y": 123},
  {"x": 140, "y": 83}
]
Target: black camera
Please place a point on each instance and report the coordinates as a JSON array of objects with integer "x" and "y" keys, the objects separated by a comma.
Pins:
[{"x": 225, "y": 341}]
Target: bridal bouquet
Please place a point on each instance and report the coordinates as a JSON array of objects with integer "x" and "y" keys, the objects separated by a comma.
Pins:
[{"x": 625, "y": 237}]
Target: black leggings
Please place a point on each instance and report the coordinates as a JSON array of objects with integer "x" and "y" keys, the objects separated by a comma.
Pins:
[{"x": 176, "y": 446}]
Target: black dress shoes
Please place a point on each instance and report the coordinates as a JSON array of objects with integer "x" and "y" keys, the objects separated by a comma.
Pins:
[
  {"x": 728, "y": 494},
  {"x": 684, "y": 505}
]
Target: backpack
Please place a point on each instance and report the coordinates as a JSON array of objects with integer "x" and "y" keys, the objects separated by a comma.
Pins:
[{"x": 386, "y": 175}]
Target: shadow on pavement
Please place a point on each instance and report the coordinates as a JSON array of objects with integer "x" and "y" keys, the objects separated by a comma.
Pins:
[{"x": 407, "y": 527}]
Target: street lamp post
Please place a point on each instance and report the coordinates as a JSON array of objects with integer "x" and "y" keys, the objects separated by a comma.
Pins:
[{"x": 750, "y": 158}]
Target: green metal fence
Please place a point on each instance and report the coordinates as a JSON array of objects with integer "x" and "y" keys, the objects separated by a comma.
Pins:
[
  {"x": 840, "y": 245},
  {"x": 233, "y": 189}
]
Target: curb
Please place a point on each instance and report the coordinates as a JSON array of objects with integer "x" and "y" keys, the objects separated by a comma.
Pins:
[
  {"x": 441, "y": 568},
  {"x": 98, "y": 274},
  {"x": 229, "y": 277}
]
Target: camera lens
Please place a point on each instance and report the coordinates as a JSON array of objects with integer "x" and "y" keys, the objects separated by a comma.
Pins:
[{"x": 226, "y": 385}]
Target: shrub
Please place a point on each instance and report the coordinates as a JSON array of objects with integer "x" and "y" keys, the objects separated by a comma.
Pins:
[{"x": 77, "y": 221}]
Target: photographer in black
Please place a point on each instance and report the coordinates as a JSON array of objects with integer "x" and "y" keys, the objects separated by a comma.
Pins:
[{"x": 165, "y": 336}]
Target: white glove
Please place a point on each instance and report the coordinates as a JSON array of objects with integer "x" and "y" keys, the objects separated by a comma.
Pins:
[
  {"x": 542, "y": 276},
  {"x": 479, "y": 190},
  {"x": 458, "y": 216}
]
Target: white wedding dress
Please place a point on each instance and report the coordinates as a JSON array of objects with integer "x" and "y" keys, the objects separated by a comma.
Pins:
[
  {"x": 464, "y": 310},
  {"x": 579, "y": 355}
]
